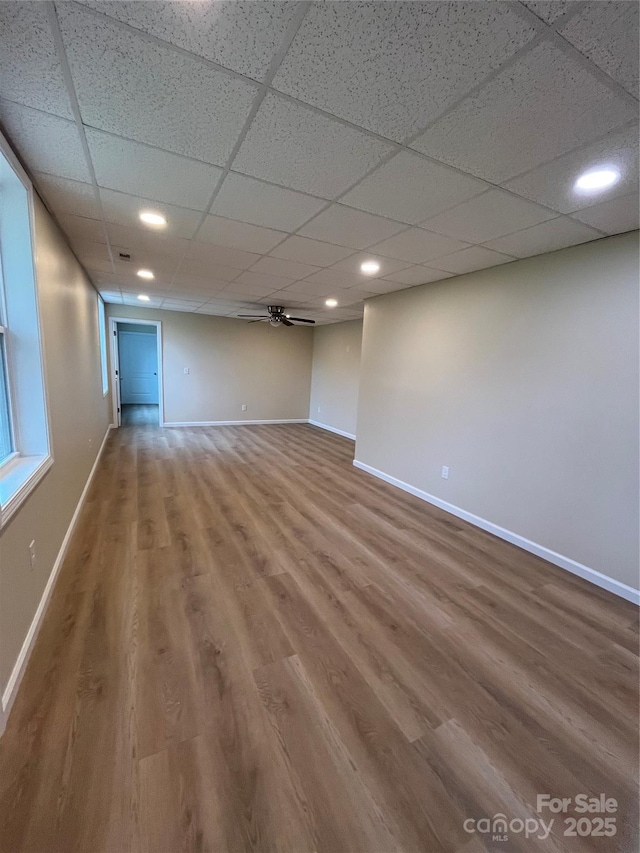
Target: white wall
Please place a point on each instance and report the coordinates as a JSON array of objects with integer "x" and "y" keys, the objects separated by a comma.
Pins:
[
  {"x": 335, "y": 377},
  {"x": 231, "y": 363},
  {"x": 523, "y": 379},
  {"x": 79, "y": 417}
]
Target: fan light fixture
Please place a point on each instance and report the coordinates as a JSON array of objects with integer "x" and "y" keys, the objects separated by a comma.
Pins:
[
  {"x": 143, "y": 297},
  {"x": 145, "y": 274},
  {"x": 370, "y": 267},
  {"x": 157, "y": 220},
  {"x": 331, "y": 303},
  {"x": 597, "y": 179}
]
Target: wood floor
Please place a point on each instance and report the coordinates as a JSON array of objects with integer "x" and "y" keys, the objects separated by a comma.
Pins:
[{"x": 254, "y": 646}]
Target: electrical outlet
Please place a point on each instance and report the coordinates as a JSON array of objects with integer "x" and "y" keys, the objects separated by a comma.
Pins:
[
  {"x": 186, "y": 371},
  {"x": 32, "y": 553},
  {"x": 445, "y": 472},
  {"x": 244, "y": 407}
]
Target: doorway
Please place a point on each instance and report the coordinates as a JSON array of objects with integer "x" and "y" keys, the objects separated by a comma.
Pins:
[{"x": 137, "y": 372}]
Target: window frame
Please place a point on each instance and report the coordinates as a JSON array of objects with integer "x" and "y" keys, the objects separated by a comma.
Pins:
[{"x": 20, "y": 473}]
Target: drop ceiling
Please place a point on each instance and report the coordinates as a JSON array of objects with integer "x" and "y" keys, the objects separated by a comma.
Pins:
[{"x": 288, "y": 142}]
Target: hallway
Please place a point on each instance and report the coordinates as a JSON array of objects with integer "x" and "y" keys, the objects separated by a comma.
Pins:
[{"x": 254, "y": 646}]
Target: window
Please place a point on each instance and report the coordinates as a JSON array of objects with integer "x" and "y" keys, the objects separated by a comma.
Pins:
[
  {"x": 103, "y": 347},
  {"x": 24, "y": 433}
]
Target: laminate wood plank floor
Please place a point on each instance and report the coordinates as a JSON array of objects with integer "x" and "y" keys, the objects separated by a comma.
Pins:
[{"x": 254, "y": 646}]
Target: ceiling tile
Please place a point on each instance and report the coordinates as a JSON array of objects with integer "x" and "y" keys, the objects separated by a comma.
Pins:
[
  {"x": 488, "y": 216},
  {"x": 208, "y": 256},
  {"x": 253, "y": 201},
  {"x": 292, "y": 145},
  {"x": 416, "y": 246},
  {"x": 65, "y": 196},
  {"x": 546, "y": 237},
  {"x": 238, "y": 235},
  {"x": 142, "y": 239},
  {"x": 310, "y": 251},
  {"x": 111, "y": 296},
  {"x": 612, "y": 217},
  {"x": 286, "y": 269},
  {"x": 29, "y": 69},
  {"x": 151, "y": 93},
  {"x": 346, "y": 226},
  {"x": 262, "y": 280},
  {"x": 308, "y": 288},
  {"x": 422, "y": 56},
  {"x": 607, "y": 33},
  {"x": 552, "y": 184},
  {"x": 289, "y": 298},
  {"x": 182, "y": 304},
  {"x": 549, "y": 10},
  {"x": 327, "y": 279},
  {"x": 543, "y": 106},
  {"x": 46, "y": 143},
  {"x": 351, "y": 265},
  {"x": 381, "y": 285},
  {"x": 140, "y": 170},
  {"x": 409, "y": 189},
  {"x": 468, "y": 260},
  {"x": 81, "y": 228},
  {"x": 240, "y": 35},
  {"x": 412, "y": 275},
  {"x": 123, "y": 209},
  {"x": 93, "y": 256},
  {"x": 241, "y": 291}
]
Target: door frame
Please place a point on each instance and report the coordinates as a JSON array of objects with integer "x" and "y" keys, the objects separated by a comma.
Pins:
[{"x": 115, "y": 381}]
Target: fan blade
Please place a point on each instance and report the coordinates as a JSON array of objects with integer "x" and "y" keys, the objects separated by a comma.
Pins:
[
  {"x": 287, "y": 322},
  {"x": 259, "y": 320},
  {"x": 300, "y": 320},
  {"x": 260, "y": 316}
]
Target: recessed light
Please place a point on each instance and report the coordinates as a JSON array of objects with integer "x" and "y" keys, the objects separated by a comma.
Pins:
[
  {"x": 143, "y": 297},
  {"x": 597, "y": 179},
  {"x": 157, "y": 220},
  {"x": 370, "y": 267},
  {"x": 145, "y": 274},
  {"x": 331, "y": 303}
]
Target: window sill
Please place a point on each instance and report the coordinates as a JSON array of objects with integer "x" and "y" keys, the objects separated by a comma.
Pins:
[{"x": 18, "y": 478}]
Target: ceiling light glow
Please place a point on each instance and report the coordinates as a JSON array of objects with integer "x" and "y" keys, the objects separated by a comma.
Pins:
[
  {"x": 331, "y": 303},
  {"x": 145, "y": 274},
  {"x": 370, "y": 267},
  {"x": 597, "y": 179},
  {"x": 149, "y": 217},
  {"x": 143, "y": 297}
]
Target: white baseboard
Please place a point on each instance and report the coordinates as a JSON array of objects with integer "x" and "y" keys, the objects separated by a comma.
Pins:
[
  {"x": 333, "y": 429},
  {"x": 232, "y": 423},
  {"x": 15, "y": 678},
  {"x": 595, "y": 577}
]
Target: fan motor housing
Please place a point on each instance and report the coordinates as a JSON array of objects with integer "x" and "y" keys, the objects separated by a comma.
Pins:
[{"x": 278, "y": 310}]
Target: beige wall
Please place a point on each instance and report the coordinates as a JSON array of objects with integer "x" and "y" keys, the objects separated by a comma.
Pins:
[
  {"x": 335, "y": 375},
  {"x": 79, "y": 417},
  {"x": 231, "y": 363},
  {"x": 523, "y": 379}
]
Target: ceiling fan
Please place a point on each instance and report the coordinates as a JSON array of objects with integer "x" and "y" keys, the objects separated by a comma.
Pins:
[{"x": 276, "y": 317}]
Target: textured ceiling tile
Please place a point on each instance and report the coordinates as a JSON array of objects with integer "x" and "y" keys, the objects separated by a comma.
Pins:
[
  {"x": 310, "y": 288},
  {"x": 292, "y": 145},
  {"x": 287, "y": 269},
  {"x": 543, "y": 106},
  {"x": 262, "y": 280},
  {"x": 546, "y": 237},
  {"x": 607, "y": 33},
  {"x": 130, "y": 167},
  {"x": 549, "y": 10},
  {"x": 123, "y": 209},
  {"x": 409, "y": 188},
  {"x": 238, "y": 235},
  {"x": 29, "y": 69},
  {"x": 468, "y": 260},
  {"x": 263, "y": 204},
  {"x": 210, "y": 254},
  {"x": 392, "y": 67},
  {"x": 65, "y": 196},
  {"x": 161, "y": 242},
  {"x": 93, "y": 256},
  {"x": 553, "y": 184},
  {"x": 142, "y": 90},
  {"x": 46, "y": 143},
  {"x": 348, "y": 227},
  {"x": 352, "y": 265},
  {"x": 310, "y": 251},
  {"x": 81, "y": 228},
  {"x": 240, "y": 35},
  {"x": 412, "y": 275},
  {"x": 416, "y": 246},
  {"x": 488, "y": 216},
  {"x": 331, "y": 277},
  {"x": 612, "y": 217}
]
